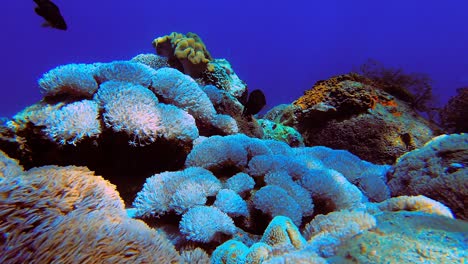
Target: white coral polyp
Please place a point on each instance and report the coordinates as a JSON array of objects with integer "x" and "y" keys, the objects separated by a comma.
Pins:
[{"x": 74, "y": 122}]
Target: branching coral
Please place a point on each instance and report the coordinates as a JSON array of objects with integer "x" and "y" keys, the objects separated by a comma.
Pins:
[{"x": 415, "y": 88}]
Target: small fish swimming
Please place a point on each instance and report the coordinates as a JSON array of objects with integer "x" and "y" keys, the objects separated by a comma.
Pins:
[
  {"x": 51, "y": 13},
  {"x": 255, "y": 103}
]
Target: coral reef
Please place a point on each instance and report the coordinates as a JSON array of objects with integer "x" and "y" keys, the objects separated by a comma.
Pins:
[
  {"x": 357, "y": 236},
  {"x": 188, "y": 54},
  {"x": 438, "y": 170},
  {"x": 117, "y": 117},
  {"x": 345, "y": 112},
  {"x": 187, "y": 178},
  {"x": 252, "y": 183}
]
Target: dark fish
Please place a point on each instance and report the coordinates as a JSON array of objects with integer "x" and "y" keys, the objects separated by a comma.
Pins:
[
  {"x": 51, "y": 13},
  {"x": 255, "y": 103}
]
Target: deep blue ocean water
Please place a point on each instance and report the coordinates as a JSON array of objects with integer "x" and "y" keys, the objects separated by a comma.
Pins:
[{"x": 282, "y": 47}]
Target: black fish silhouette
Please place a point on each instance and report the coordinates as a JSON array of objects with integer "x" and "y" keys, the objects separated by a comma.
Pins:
[
  {"x": 255, "y": 103},
  {"x": 51, "y": 13}
]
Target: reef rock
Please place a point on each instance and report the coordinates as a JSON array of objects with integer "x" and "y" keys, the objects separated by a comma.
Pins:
[
  {"x": 438, "y": 170},
  {"x": 407, "y": 237},
  {"x": 344, "y": 112}
]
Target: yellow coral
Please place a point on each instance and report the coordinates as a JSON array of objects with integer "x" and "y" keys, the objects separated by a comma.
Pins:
[{"x": 187, "y": 53}]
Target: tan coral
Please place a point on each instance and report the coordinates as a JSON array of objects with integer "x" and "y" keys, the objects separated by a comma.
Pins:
[
  {"x": 186, "y": 53},
  {"x": 102, "y": 237},
  {"x": 282, "y": 231},
  {"x": 57, "y": 214},
  {"x": 418, "y": 203}
]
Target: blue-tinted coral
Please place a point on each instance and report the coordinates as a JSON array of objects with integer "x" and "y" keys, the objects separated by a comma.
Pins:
[
  {"x": 75, "y": 80},
  {"x": 296, "y": 191},
  {"x": 368, "y": 177},
  {"x": 178, "y": 124},
  {"x": 189, "y": 194},
  {"x": 274, "y": 201},
  {"x": 333, "y": 188},
  {"x": 182, "y": 91},
  {"x": 240, "y": 183},
  {"x": 124, "y": 71},
  {"x": 205, "y": 224},
  {"x": 325, "y": 233},
  {"x": 175, "y": 191},
  {"x": 231, "y": 203},
  {"x": 280, "y": 238},
  {"x": 218, "y": 152},
  {"x": 262, "y": 164}
]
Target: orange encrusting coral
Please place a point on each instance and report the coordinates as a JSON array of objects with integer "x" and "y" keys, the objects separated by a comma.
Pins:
[{"x": 349, "y": 90}]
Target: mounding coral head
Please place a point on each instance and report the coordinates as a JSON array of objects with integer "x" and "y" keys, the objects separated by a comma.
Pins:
[{"x": 186, "y": 53}]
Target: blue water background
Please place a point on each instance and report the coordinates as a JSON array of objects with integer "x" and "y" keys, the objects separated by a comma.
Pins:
[{"x": 282, "y": 47}]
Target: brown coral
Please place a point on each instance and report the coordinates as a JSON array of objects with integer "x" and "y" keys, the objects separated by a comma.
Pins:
[
  {"x": 186, "y": 53},
  {"x": 345, "y": 93},
  {"x": 67, "y": 214}
]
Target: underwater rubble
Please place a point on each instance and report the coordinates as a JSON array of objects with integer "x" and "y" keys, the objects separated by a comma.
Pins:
[{"x": 151, "y": 160}]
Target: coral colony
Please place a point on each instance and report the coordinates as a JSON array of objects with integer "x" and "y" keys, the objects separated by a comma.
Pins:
[{"x": 157, "y": 160}]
